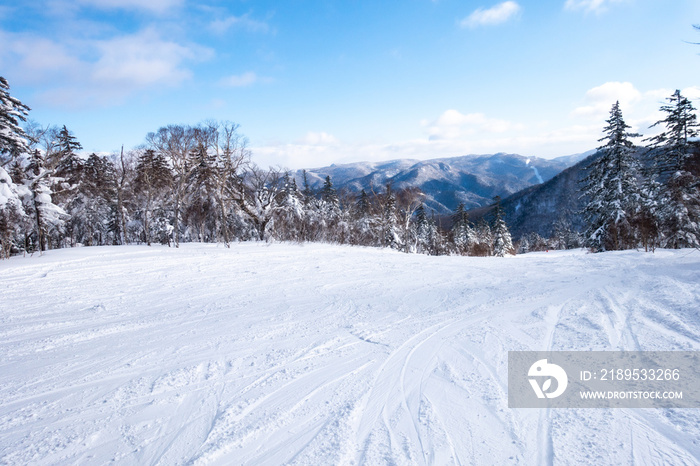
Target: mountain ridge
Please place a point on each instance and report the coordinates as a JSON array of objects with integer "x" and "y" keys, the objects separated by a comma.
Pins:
[{"x": 473, "y": 179}]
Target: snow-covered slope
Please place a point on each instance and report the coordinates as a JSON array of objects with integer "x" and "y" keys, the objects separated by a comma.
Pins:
[{"x": 318, "y": 354}]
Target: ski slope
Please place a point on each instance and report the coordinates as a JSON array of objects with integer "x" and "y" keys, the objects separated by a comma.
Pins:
[{"x": 320, "y": 354}]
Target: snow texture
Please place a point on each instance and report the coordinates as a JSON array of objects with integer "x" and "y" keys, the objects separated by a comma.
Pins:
[{"x": 319, "y": 354}]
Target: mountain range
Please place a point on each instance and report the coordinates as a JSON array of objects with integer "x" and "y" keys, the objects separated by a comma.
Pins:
[
  {"x": 446, "y": 182},
  {"x": 538, "y": 207}
]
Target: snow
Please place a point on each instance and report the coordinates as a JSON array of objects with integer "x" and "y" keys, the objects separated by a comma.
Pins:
[
  {"x": 534, "y": 169},
  {"x": 321, "y": 354}
]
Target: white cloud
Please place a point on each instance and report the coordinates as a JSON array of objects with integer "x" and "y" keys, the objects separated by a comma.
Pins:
[
  {"x": 318, "y": 139},
  {"x": 600, "y": 99},
  {"x": 85, "y": 73},
  {"x": 242, "y": 80},
  {"x": 589, "y": 6},
  {"x": 37, "y": 60},
  {"x": 453, "y": 133},
  {"x": 495, "y": 15},
  {"x": 144, "y": 59},
  {"x": 693, "y": 93},
  {"x": 154, "y": 6},
  {"x": 220, "y": 26},
  {"x": 452, "y": 125}
]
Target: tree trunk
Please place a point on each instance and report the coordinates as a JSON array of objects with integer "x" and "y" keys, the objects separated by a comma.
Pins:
[
  {"x": 176, "y": 230},
  {"x": 39, "y": 234},
  {"x": 120, "y": 203},
  {"x": 224, "y": 225},
  {"x": 146, "y": 231}
]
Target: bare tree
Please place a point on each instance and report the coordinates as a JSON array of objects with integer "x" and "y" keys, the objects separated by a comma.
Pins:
[
  {"x": 232, "y": 155},
  {"x": 175, "y": 142},
  {"x": 123, "y": 173},
  {"x": 258, "y": 195}
]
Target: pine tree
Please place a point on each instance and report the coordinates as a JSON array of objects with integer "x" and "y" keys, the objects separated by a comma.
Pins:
[
  {"x": 462, "y": 231},
  {"x": 307, "y": 192},
  {"x": 68, "y": 189},
  {"x": 68, "y": 145},
  {"x": 100, "y": 200},
  {"x": 152, "y": 176},
  {"x": 673, "y": 145},
  {"x": 49, "y": 218},
  {"x": 391, "y": 236},
  {"x": 362, "y": 205},
  {"x": 329, "y": 200},
  {"x": 289, "y": 218},
  {"x": 610, "y": 188},
  {"x": 426, "y": 232},
  {"x": 13, "y": 140},
  {"x": 12, "y": 213},
  {"x": 674, "y": 191},
  {"x": 502, "y": 241},
  {"x": 201, "y": 194}
]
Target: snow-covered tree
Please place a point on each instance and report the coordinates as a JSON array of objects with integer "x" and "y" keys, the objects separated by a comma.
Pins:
[
  {"x": 152, "y": 178},
  {"x": 258, "y": 196},
  {"x": 12, "y": 212},
  {"x": 463, "y": 235},
  {"x": 232, "y": 155},
  {"x": 365, "y": 221},
  {"x": 175, "y": 143},
  {"x": 483, "y": 241},
  {"x": 426, "y": 232},
  {"x": 13, "y": 140},
  {"x": 328, "y": 208},
  {"x": 390, "y": 231},
  {"x": 676, "y": 206},
  {"x": 49, "y": 218},
  {"x": 289, "y": 218},
  {"x": 502, "y": 241},
  {"x": 610, "y": 188},
  {"x": 99, "y": 200}
]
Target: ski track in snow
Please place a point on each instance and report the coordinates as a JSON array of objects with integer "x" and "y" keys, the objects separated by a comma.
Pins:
[{"x": 320, "y": 354}]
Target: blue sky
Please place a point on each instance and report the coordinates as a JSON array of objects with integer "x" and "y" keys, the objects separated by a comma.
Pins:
[{"x": 319, "y": 82}]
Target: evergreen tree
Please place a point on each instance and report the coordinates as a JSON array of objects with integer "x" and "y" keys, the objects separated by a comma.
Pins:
[
  {"x": 329, "y": 201},
  {"x": 391, "y": 235},
  {"x": 365, "y": 222},
  {"x": 484, "y": 240},
  {"x": 201, "y": 193},
  {"x": 307, "y": 192},
  {"x": 463, "y": 234},
  {"x": 426, "y": 232},
  {"x": 100, "y": 200},
  {"x": 673, "y": 145},
  {"x": 68, "y": 158},
  {"x": 289, "y": 218},
  {"x": 49, "y": 218},
  {"x": 502, "y": 241},
  {"x": 68, "y": 189},
  {"x": 12, "y": 213},
  {"x": 673, "y": 190},
  {"x": 610, "y": 188},
  {"x": 152, "y": 177},
  {"x": 13, "y": 140},
  {"x": 363, "y": 205}
]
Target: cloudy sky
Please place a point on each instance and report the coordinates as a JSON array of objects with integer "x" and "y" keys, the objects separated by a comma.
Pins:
[{"x": 319, "y": 82}]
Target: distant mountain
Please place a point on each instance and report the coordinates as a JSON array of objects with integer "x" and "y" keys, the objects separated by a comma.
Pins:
[
  {"x": 471, "y": 179},
  {"x": 537, "y": 208}
]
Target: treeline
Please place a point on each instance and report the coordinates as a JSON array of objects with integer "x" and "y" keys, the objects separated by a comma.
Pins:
[
  {"x": 645, "y": 197},
  {"x": 199, "y": 184}
]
